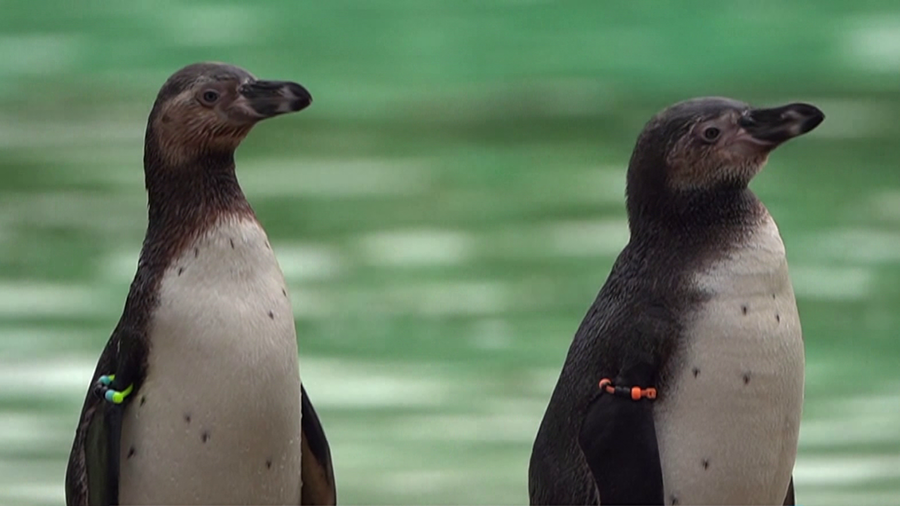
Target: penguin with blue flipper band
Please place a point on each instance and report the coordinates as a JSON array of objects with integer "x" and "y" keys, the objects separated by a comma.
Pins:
[{"x": 197, "y": 398}]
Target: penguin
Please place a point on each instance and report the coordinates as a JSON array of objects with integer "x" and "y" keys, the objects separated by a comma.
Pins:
[
  {"x": 684, "y": 382},
  {"x": 196, "y": 398}
]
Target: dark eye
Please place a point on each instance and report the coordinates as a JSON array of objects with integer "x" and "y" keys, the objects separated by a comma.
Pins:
[
  {"x": 711, "y": 133},
  {"x": 210, "y": 96}
]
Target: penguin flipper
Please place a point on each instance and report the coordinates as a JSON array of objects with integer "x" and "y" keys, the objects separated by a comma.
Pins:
[
  {"x": 618, "y": 440},
  {"x": 789, "y": 498},
  {"x": 317, "y": 474},
  {"x": 92, "y": 475}
]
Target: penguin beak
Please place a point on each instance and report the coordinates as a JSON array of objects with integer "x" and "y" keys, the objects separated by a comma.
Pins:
[
  {"x": 265, "y": 99},
  {"x": 771, "y": 127}
]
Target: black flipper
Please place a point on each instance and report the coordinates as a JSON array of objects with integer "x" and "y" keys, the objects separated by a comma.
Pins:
[
  {"x": 92, "y": 475},
  {"x": 789, "y": 498},
  {"x": 618, "y": 439},
  {"x": 317, "y": 472},
  {"x": 102, "y": 454}
]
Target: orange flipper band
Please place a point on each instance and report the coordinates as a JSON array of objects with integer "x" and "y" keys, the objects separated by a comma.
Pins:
[{"x": 634, "y": 393}]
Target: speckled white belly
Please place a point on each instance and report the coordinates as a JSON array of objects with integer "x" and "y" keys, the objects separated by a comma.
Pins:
[
  {"x": 729, "y": 423},
  {"x": 217, "y": 420}
]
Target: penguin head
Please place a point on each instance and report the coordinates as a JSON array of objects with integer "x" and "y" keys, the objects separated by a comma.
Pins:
[
  {"x": 708, "y": 145},
  {"x": 208, "y": 108}
]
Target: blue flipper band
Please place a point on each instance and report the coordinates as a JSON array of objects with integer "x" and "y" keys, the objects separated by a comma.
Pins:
[{"x": 117, "y": 397}]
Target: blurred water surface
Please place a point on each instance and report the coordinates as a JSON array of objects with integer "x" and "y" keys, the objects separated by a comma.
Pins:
[{"x": 446, "y": 212}]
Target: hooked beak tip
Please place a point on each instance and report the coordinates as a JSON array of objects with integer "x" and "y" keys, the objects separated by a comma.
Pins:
[
  {"x": 807, "y": 117},
  {"x": 299, "y": 97}
]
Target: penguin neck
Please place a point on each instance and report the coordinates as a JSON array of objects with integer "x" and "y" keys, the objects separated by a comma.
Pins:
[
  {"x": 694, "y": 215},
  {"x": 184, "y": 200}
]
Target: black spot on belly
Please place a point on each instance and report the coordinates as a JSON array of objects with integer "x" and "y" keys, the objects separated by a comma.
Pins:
[
  {"x": 205, "y": 436},
  {"x": 180, "y": 270},
  {"x": 268, "y": 463},
  {"x": 268, "y": 246},
  {"x": 130, "y": 452},
  {"x": 674, "y": 500},
  {"x": 696, "y": 372},
  {"x": 196, "y": 252},
  {"x": 705, "y": 463},
  {"x": 271, "y": 315},
  {"x": 744, "y": 309},
  {"x": 232, "y": 243},
  {"x": 187, "y": 418},
  {"x": 284, "y": 292},
  {"x": 746, "y": 378},
  {"x": 777, "y": 317},
  {"x": 143, "y": 400},
  {"x": 773, "y": 296}
]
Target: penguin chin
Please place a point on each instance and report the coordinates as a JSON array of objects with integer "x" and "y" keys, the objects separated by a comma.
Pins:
[
  {"x": 744, "y": 173},
  {"x": 733, "y": 174}
]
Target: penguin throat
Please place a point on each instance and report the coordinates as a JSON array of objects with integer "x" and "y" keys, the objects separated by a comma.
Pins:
[
  {"x": 693, "y": 211},
  {"x": 184, "y": 200}
]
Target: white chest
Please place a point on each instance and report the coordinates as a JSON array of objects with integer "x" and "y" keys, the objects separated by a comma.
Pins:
[
  {"x": 729, "y": 423},
  {"x": 217, "y": 420}
]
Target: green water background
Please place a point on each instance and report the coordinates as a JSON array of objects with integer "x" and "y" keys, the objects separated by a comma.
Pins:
[{"x": 446, "y": 212}]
